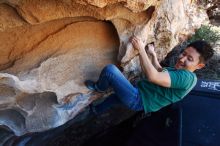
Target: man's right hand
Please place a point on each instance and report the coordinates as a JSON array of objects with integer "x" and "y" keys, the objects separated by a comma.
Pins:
[{"x": 138, "y": 44}]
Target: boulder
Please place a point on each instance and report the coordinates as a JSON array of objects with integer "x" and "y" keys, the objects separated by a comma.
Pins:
[{"x": 48, "y": 48}]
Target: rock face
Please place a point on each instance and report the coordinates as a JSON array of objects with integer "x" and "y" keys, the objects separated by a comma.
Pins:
[{"x": 48, "y": 49}]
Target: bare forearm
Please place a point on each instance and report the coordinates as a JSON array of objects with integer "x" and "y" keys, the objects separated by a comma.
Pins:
[
  {"x": 156, "y": 63},
  {"x": 142, "y": 67},
  {"x": 159, "y": 78},
  {"x": 149, "y": 70}
]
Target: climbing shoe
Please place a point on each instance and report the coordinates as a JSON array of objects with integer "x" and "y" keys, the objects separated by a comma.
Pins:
[{"x": 92, "y": 86}]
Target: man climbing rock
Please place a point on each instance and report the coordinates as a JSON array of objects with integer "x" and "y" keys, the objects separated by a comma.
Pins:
[{"x": 162, "y": 86}]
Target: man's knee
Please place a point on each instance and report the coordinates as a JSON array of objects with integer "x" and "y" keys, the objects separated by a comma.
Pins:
[{"x": 111, "y": 68}]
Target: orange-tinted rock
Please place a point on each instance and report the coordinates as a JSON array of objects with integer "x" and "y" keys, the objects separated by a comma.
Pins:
[{"x": 48, "y": 48}]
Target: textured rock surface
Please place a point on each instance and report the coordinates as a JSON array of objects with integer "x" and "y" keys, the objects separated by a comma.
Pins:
[{"x": 48, "y": 48}]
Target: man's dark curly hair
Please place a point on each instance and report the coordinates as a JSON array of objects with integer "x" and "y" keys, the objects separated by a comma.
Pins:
[{"x": 204, "y": 49}]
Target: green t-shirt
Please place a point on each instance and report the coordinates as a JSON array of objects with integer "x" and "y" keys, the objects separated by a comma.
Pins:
[{"x": 155, "y": 97}]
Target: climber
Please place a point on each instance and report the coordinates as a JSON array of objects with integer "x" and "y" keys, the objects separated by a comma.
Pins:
[{"x": 162, "y": 86}]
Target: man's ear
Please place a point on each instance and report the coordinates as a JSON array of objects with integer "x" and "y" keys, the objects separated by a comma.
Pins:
[{"x": 200, "y": 65}]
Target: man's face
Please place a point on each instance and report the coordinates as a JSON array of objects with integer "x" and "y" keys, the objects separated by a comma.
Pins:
[{"x": 189, "y": 60}]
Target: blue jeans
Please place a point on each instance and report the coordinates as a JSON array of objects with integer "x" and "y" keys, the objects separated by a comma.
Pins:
[{"x": 124, "y": 92}]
